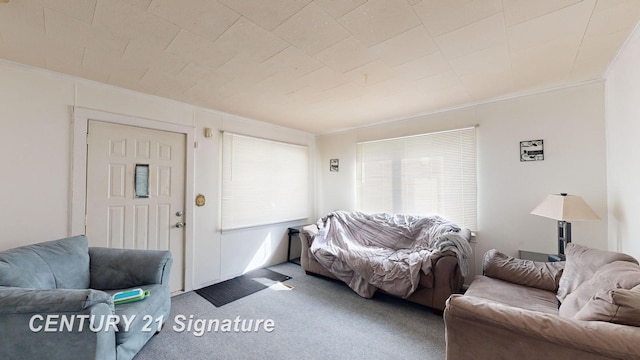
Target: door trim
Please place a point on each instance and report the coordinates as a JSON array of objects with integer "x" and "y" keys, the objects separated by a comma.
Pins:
[{"x": 78, "y": 194}]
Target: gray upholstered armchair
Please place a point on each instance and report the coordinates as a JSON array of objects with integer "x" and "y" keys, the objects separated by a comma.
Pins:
[{"x": 56, "y": 300}]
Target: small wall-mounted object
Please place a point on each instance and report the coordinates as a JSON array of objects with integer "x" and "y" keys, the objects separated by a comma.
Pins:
[
  {"x": 200, "y": 200},
  {"x": 208, "y": 133},
  {"x": 532, "y": 150},
  {"x": 334, "y": 165}
]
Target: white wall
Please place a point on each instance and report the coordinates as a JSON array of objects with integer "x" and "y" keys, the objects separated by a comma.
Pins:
[
  {"x": 571, "y": 123},
  {"x": 623, "y": 152},
  {"x": 35, "y": 141}
]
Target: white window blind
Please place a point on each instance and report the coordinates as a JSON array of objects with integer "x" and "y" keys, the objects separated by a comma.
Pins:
[
  {"x": 263, "y": 181},
  {"x": 429, "y": 174}
]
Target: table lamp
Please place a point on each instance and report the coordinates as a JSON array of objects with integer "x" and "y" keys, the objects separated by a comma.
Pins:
[{"x": 564, "y": 208}]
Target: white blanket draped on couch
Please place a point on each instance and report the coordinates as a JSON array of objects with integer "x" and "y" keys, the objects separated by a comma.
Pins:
[{"x": 386, "y": 251}]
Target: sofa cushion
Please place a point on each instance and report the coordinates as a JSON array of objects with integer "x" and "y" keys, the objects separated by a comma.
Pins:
[
  {"x": 144, "y": 314},
  {"x": 616, "y": 275},
  {"x": 57, "y": 264},
  {"x": 618, "y": 306},
  {"x": 582, "y": 262},
  {"x": 541, "y": 275},
  {"x": 515, "y": 295}
]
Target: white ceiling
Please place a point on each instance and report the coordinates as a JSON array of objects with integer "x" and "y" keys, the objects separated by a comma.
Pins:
[{"x": 321, "y": 65}]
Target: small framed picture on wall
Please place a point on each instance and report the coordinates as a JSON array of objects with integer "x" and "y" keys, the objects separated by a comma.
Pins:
[
  {"x": 532, "y": 150},
  {"x": 334, "y": 165}
]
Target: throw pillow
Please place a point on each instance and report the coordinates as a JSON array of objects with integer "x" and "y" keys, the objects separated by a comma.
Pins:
[
  {"x": 540, "y": 275},
  {"x": 618, "y": 306},
  {"x": 582, "y": 262},
  {"x": 613, "y": 276}
]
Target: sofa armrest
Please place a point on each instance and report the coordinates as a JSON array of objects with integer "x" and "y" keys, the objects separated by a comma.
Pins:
[
  {"x": 541, "y": 275},
  {"x": 447, "y": 280},
  {"x": 18, "y": 300},
  {"x": 56, "y": 324},
  {"x": 480, "y": 329},
  {"x": 113, "y": 269}
]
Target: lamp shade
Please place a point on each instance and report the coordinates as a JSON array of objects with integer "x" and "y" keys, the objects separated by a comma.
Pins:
[{"x": 565, "y": 207}]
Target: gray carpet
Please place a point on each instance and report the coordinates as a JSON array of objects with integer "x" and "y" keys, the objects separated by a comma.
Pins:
[{"x": 318, "y": 319}]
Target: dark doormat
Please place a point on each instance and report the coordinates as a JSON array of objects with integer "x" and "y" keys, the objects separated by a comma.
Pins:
[{"x": 233, "y": 289}]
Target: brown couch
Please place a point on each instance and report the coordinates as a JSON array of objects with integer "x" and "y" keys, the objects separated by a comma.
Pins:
[
  {"x": 585, "y": 308},
  {"x": 433, "y": 291}
]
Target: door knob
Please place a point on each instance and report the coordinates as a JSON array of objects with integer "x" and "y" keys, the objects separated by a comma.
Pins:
[
  {"x": 179, "y": 213},
  {"x": 180, "y": 224}
]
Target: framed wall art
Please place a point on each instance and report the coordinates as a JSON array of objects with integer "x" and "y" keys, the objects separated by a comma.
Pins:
[
  {"x": 334, "y": 165},
  {"x": 532, "y": 150}
]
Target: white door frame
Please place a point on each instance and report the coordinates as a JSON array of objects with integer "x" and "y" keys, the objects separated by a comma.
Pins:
[{"x": 81, "y": 117}]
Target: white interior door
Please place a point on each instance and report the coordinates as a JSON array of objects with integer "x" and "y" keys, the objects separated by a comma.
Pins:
[{"x": 136, "y": 191}]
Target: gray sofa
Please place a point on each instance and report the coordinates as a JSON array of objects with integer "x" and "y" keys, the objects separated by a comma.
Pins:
[
  {"x": 585, "y": 308},
  {"x": 433, "y": 290},
  {"x": 56, "y": 300}
]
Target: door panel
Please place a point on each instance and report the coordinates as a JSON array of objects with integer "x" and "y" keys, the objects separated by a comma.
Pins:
[{"x": 135, "y": 190}]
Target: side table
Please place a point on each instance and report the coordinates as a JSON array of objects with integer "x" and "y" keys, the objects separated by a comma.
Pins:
[
  {"x": 536, "y": 256},
  {"x": 293, "y": 231}
]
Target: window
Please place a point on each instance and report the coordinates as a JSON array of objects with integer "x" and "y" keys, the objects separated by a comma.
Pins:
[
  {"x": 429, "y": 174},
  {"x": 263, "y": 181}
]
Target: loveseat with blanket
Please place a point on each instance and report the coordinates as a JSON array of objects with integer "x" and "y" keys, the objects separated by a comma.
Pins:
[
  {"x": 586, "y": 308},
  {"x": 56, "y": 300},
  {"x": 421, "y": 259}
]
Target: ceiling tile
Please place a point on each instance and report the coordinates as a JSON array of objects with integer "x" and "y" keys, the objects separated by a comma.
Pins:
[
  {"x": 410, "y": 45},
  {"x": 346, "y": 55},
  {"x": 441, "y": 17},
  {"x": 203, "y": 17},
  {"x": 17, "y": 52},
  {"x": 608, "y": 29},
  {"x": 379, "y": 20},
  {"x": 480, "y": 35},
  {"x": 518, "y": 11},
  {"x": 64, "y": 28},
  {"x": 490, "y": 60},
  {"x": 324, "y": 79},
  {"x": 293, "y": 62},
  {"x": 311, "y": 30},
  {"x": 245, "y": 70},
  {"x": 126, "y": 21},
  {"x": 82, "y": 10},
  {"x": 143, "y": 54},
  {"x": 569, "y": 23},
  {"x": 425, "y": 66},
  {"x": 621, "y": 17},
  {"x": 102, "y": 62},
  {"x": 267, "y": 14},
  {"x": 64, "y": 57},
  {"x": 279, "y": 84},
  {"x": 250, "y": 41},
  {"x": 142, "y": 4},
  {"x": 337, "y": 8},
  {"x": 549, "y": 63},
  {"x": 161, "y": 83},
  {"x": 196, "y": 49},
  {"x": 371, "y": 73},
  {"x": 21, "y": 21},
  {"x": 436, "y": 83},
  {"x": 344, "y": 92}
]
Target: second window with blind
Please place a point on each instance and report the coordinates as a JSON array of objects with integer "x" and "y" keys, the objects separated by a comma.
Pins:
[
  {"x": 263, "y": 181},
  {"x": 428, "y": 174}
]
